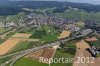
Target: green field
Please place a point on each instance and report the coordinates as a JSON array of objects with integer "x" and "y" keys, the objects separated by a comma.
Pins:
[
  {"x": 45, "y": 33},
  {"x": 38, "y": 34},
  {"x": 97, "y": 42},
  {"x": 22, "y": 46},
  {"x": 2, "y": 40},
  {"x": 59, "y": 54},
  {"x": 65, "y": 53},
  {"x": 94, "y": 35},
  {"x": 10, "y": 34},
  {"x": 98, "y": 55},
  {"x": 28, "y": 62},
  {"x": 97, "y": 37},
  {"x": 3, "y": 60},
  {"x": 29, "y": 30},
  {"x": 2, "y": 30}
]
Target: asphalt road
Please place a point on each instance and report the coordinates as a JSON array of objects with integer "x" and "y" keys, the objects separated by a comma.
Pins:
[{"x": 57, "y": 42}]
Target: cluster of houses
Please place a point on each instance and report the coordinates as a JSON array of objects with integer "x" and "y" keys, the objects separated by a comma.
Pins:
[
  {"x": 72, "y": 27},
  {"x": 35, "y": 19},
  {"x": 68, "y": 24},
  {"x": 93, "y": 25},
  {"x": 6, "y": 24}
]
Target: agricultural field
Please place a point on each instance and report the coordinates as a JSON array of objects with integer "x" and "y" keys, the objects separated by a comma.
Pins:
[
  {"x": 96, "y": 42},
  {"x": 21, "y": 35},
  {"x": 65, "y": 53},
  {"x": 68, "y": 52},
  {"x": 22, "y": 46},
  {"x": 28, "y": 62},
  {"x": 15, "y": 42},
  {"x": 2, "y": 40},
  {"x": 4, "y": 59},
  {"x": 95, "y": 35},
  {"x": 10, "y": 34},
  {"x": 7, "y": 46},
  {"x": 59, "y": 54},
  {"x": 29, "y": 30},
  {"x": 64, "y": 34},
  {"x": 45, "y": 53},
  {"x": 2, "y": 29},
  {"x": 45, "y": 33},
  {"x": 32, "y": 25}
]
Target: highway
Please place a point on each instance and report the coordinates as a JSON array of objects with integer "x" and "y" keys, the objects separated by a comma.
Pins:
[{"x": 57, "y": 42}]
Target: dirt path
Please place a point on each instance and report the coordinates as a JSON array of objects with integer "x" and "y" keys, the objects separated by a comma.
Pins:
[{"x": 80, "y": 52}]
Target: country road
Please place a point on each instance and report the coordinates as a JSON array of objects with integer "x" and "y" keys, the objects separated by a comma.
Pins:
[{"x": 57, "y": 42}]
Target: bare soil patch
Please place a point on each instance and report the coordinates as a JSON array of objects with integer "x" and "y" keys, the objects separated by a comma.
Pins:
[
  {"x": 64, "y": 34},
  {"x": 22, "y": 35},
  {"x": 7, "y": 46},
  {"x": 45, "y": 53}
]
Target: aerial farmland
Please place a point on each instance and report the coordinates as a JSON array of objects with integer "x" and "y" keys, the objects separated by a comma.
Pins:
[{"x": 49, "y": 33}]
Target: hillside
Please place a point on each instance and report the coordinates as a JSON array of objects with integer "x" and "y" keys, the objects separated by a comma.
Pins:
[{"x": 13, "y": 7}]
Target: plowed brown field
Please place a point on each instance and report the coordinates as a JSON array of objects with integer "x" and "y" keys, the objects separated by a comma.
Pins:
[{"x": 45, "y": 53}]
